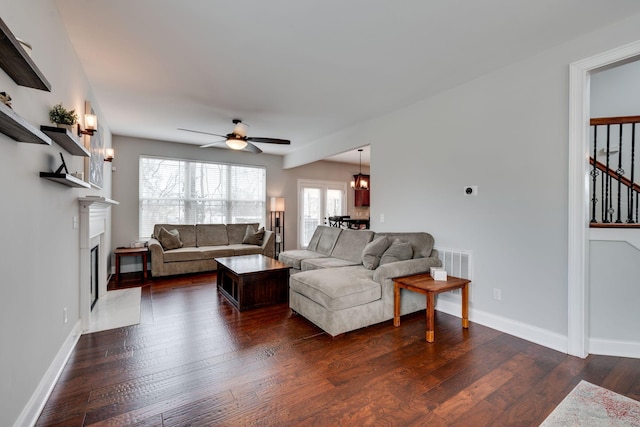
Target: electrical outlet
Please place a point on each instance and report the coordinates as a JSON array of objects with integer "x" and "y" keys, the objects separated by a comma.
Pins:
[
  {"x": 75, "y": 222},
  {"x": 471, "y": 190},
  {"x": 497, "y": 294},
  {"x": 65, "y": 319},
  {"x": 381, "y": 218}
]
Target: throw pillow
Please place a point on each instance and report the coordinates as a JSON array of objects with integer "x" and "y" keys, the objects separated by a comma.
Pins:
[
  {"x": 373, "y": 251},
  {"x": 252, "y": 237},
  {"x": 169, "y": 239},
  {"x": 398, "y": 251}
]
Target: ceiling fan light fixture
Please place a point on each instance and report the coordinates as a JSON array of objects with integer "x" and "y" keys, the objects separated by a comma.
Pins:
[
  {"x": 236, "y": 142},
  {"x": 240, "y": 128}
]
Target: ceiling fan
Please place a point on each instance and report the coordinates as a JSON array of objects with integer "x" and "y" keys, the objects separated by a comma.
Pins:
[{"x": 238, "y": 139}]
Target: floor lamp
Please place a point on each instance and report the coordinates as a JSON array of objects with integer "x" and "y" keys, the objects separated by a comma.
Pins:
[{"x": 277, "y": 222}]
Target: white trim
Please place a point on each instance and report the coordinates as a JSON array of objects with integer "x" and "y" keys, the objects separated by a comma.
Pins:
[
  {"x": 578, "y": 297},
  {"x": 32, "y": 410},
  {"x": 631, "y": 236},
  {"x": 614, "y": 348},
  {"x": 521, "y": 330}
]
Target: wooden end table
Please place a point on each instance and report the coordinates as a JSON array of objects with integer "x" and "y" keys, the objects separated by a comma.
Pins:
[
  {"x": 251, "y": 281},
  {"x": 424, "y": 284},
  {"x": 142, "y": 252}
]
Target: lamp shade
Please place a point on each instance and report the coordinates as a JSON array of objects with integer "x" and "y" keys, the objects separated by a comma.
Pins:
[
  {"x": 90, "y": 122},
  {"x": 276, "y": 204}
]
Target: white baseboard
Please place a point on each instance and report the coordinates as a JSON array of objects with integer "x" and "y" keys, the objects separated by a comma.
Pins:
[
  {"x": 521, "y": 330},
  {"x": 614, "y": 348},
  {"x": 31, "y": 411}
]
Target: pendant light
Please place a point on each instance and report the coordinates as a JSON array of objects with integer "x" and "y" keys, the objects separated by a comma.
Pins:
[{"x": 360, "y": 182}]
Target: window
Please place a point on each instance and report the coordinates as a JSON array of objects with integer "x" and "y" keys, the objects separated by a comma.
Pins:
[{"x": 177, "y": 191}]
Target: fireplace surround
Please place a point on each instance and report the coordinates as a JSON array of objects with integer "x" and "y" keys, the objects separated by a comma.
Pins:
[{"x": 93, "y": 225}]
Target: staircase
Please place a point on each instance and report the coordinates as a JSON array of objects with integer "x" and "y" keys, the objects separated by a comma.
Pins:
[{"x": 614, "y": 192}]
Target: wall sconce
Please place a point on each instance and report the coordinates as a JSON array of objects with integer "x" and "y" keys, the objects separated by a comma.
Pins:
[
  {"x": 90, "y": 125},
  {"x": 108, "y": 154}
]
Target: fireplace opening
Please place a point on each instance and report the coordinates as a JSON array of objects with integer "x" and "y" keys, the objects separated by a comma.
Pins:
[{"x": 94, "y": 275}]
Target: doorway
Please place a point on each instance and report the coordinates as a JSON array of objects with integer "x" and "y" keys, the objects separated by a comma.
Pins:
[
  {"x": 578, "y": 254},
  {"x": 318, "y": 201}
]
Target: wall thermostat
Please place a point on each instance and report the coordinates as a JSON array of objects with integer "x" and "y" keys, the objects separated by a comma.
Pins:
[{"x": 471, "y": 190}]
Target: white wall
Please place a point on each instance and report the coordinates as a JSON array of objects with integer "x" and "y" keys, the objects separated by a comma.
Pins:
[
  {"x": 506, "y": 132},
  {"x": 280, "y": 183},
  {"x": 39, "y": 255}
]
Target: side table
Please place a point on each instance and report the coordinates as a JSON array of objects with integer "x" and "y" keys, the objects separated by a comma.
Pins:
[
  {"x": 424, "y": 284},
  {"x": 141, "y": 252}
]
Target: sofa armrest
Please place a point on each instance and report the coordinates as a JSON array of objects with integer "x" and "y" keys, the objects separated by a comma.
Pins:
[
  {"x": 268, "y": 247},
  {"x": 155, "y": 248},
  {"x": 386, "y": 273}
]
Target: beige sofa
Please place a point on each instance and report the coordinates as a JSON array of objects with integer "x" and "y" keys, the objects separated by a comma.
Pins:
[
  {"x": 344, "y": 279},
  {"x": 199, "y": 244}
]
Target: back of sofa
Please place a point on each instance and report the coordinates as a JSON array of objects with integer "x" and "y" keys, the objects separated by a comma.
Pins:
[
  {"x": 421, "y": 243},
  {"x": 187, "y": 233},
  {"x": 324, "y": 239},
  {"x": 351, "y": 243}
]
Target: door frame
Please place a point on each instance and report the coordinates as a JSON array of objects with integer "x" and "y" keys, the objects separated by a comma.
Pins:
[{"x": 578, "y": 239}]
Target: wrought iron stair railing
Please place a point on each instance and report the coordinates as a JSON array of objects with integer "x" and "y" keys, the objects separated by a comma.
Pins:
[{"x": 614, "y": 195}]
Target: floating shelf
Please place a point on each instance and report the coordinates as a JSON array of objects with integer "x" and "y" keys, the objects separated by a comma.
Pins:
[
  {"x": 66, "y": 140},
  {"x": 65, "y": 179},
  {"x": 16, "y": 127},
  {"x": 17, "y": 63}
]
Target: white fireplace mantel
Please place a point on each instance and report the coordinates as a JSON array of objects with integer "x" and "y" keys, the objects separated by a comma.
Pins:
[{"x": 93, "y": 225}]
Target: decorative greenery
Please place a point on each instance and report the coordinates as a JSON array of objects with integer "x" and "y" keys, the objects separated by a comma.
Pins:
[{"x": 60, "y": 115}]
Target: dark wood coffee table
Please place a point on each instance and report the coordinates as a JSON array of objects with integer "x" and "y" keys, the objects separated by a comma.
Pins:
[
  {"x": 250, "y": 281},
  {"x": 424, "y": 284}
]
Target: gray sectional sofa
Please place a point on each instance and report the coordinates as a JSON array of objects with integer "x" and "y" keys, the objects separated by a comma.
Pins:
[
  {"x": 344, "y": 279},
  {"x": 180, "y": 249}
]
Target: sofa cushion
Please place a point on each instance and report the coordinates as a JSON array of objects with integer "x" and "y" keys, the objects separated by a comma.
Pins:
[
  {"x": 350, "y": 245},
  {"x": 324, "y": 239},
  {"x": 236, "y": 232},
  {"x": 182, "y": 254},
  {"x": 169, "y": 239},
  {"x": 397, "y": 251},
  {"x": 372, "y": 253},
  {"x": 210, "y": 252},
  {"x": 211, "y": 235},
  {"x": 187, "y": 233},
  {"x": 253, "y": 237},
  {"x": 337, "y": 288},
  {"x": 326, "y": 262},
  {"x": 244, "y": 249},
  {"x": 294, "y": 257}
]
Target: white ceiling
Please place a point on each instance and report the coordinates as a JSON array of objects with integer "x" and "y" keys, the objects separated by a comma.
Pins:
[{"x": 301, "y": 69}]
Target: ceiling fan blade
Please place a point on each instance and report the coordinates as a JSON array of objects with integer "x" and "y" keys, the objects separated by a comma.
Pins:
[
  {"x": 211, "y": 144},
  {"x": 252, "y": 148},
  {"x": 205, "y": 133},
  {"x": 269, "y": 140}
]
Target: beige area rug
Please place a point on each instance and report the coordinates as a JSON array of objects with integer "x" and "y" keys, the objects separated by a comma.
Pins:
[
  {"x": 590, "y": 405},
  {"x": 116, "y": 309}
]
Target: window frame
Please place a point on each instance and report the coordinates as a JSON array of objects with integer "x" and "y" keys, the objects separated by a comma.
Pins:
[{"x": 186, "y": 202}]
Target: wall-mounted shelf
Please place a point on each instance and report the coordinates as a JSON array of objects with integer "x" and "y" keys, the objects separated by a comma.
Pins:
[
  {"x": 17, "y": 63},
  {"x": 15, "y": 127},
  {"x": 65, "y": 179},
  {"x": 66, "y": 140}
]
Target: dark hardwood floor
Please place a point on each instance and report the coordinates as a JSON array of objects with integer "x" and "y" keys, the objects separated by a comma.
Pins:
[{"x": 195, "y": 361}]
